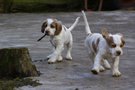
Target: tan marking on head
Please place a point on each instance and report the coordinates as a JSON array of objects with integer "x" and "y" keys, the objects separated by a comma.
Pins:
[
  {"x": 43, "y": 26},
  {"x": 53, "y": 25},
  {"x": 94, "y": 47},
  {"x": 97, "y": 41},
  {"x": 113, "y": 45},
  {"x": 122, "y": 42},
  {"x": 109, "y": 39}
]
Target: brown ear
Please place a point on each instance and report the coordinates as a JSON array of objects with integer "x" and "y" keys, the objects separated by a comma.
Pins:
[
  {"x": 123, "y": 41},
  {"x": 104, "y": 33},
  {"x": 43, "y": 26},
  {"x": 58, "y": 28}
]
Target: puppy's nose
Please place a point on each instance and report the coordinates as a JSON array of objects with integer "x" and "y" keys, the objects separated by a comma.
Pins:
[
  {"x": 47, "y": 32},
  {"x": 118, "y": 52}
]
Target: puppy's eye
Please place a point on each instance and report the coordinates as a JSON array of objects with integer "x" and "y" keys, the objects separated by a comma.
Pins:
[
  {"x": 52, "y": 26},
  {"x": 45, "y": 25},
  {"x": 121, "y": 45},
  {"x": 113, "y": 45}
]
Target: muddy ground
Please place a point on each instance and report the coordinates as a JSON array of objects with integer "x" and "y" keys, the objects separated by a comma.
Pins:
[{"x": 23, "y": 29}]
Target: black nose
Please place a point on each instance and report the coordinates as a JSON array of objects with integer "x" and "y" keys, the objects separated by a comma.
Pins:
[
  {"x": 118, "y": 52},
  {"x": 47, "y": 32}
]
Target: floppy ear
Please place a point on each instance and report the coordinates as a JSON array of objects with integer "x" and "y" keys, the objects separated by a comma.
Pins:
[
  {"x": 104, "y": 33},
  {"x": 58, "y": 28},
  {"x": 123, "y": 41},
  {"x": 43, "y": 26}
]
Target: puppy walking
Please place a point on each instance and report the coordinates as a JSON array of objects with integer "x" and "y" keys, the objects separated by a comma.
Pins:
[
  {"x": 101, "y": 47},
  {"x": 59, "y": 36}
]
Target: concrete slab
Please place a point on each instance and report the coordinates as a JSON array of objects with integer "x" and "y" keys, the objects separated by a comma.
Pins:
[{"x": 23, "y": 29}]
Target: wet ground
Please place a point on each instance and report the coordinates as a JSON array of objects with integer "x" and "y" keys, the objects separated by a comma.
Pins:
[{"x": 23, "y": 29}]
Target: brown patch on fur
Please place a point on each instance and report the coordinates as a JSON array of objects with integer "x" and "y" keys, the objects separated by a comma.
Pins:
[
  {"x": 43, "y": 26},
  {"x": 98, "y": 40},
  {"x": 94, "y": 47},
  {"x": 113, "y": 45},
  {"x": 109, "y": 39},
  {"x": 53, "y": 25},
  {"x": 123, "y": 42}
]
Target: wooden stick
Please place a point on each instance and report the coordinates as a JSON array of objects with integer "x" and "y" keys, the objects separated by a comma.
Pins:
[{"x": 41, "y": 37}]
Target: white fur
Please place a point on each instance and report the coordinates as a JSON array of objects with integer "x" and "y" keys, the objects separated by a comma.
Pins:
[
  {"x": 58, "y": 41},
  {"x": 104, "y": 52}
]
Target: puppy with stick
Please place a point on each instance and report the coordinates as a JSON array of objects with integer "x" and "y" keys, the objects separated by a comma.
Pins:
[
  {"x": 59, "y": 36},
  {"x": 101, "y": 47}
]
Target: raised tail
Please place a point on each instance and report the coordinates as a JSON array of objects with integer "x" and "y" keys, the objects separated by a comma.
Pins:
[
  {"x": 87, "y": 28},
  {"x": 74, "y": 24}
]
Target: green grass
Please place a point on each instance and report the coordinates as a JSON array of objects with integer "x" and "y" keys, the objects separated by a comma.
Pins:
[{"x": 11, "y": 84}]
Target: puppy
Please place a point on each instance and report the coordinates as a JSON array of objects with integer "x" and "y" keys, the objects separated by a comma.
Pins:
[
  {"x": 101, "y": 47},
  {"x": 59, "y": 36}
]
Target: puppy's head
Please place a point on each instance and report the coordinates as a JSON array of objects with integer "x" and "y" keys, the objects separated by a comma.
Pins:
[
  {"x": 115, "y": 42},
  {"x": 51, "y": 27}
]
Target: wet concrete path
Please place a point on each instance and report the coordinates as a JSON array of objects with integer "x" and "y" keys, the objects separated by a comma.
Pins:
[{"x": 23, "y": 29}]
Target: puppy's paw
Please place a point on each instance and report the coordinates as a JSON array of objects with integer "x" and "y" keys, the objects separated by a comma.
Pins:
[
  {"x": 69, "y": 57},
  {"x": 116, "y": 74},
  {"x": 102, "y": 69},
  {"x": 59, "y": 59},
  {"x": 51, "y": 61},
  {"x": 49, "y": 56},
  {"x": 108, "y": 66},
  {"x": 94, "y": 71}
]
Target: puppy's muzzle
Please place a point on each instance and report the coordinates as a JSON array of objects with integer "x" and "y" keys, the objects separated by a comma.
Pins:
[
  {"x": 47, "y": 32},
  {"x": 118, "y": 53}
]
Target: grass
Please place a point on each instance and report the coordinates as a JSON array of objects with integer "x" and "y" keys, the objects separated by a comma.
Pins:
[{"x": 11, "y": 84}]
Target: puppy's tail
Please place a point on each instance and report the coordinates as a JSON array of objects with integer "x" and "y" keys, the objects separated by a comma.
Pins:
[
  {"x": 74, "y": 24},
  {"x": 87, "y": 28}
]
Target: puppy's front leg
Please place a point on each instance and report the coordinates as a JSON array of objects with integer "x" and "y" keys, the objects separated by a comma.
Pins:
[
  {"x": 96, "y": 66},
  {"x": 56, "y": 53},
  {"x": 116, "y": 72},
  {"x": 49, "y": 56}
]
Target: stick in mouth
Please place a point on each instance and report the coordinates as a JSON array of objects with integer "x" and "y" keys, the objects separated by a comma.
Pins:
[{"x": 41, "y": 37}]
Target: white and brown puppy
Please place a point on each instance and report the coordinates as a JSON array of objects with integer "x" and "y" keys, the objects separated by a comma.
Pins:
[
  {"x": 101, "y": 47},
  {"x": 59, "y": 36}
]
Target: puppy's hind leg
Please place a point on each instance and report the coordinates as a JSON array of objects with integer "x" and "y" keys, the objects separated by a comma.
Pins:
[
  {"x": 89, "y": 51},
  {"x": 68, "y": 54},
  {"x": 92, "y": 56},
  {"x": 106, "y": 64}
]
